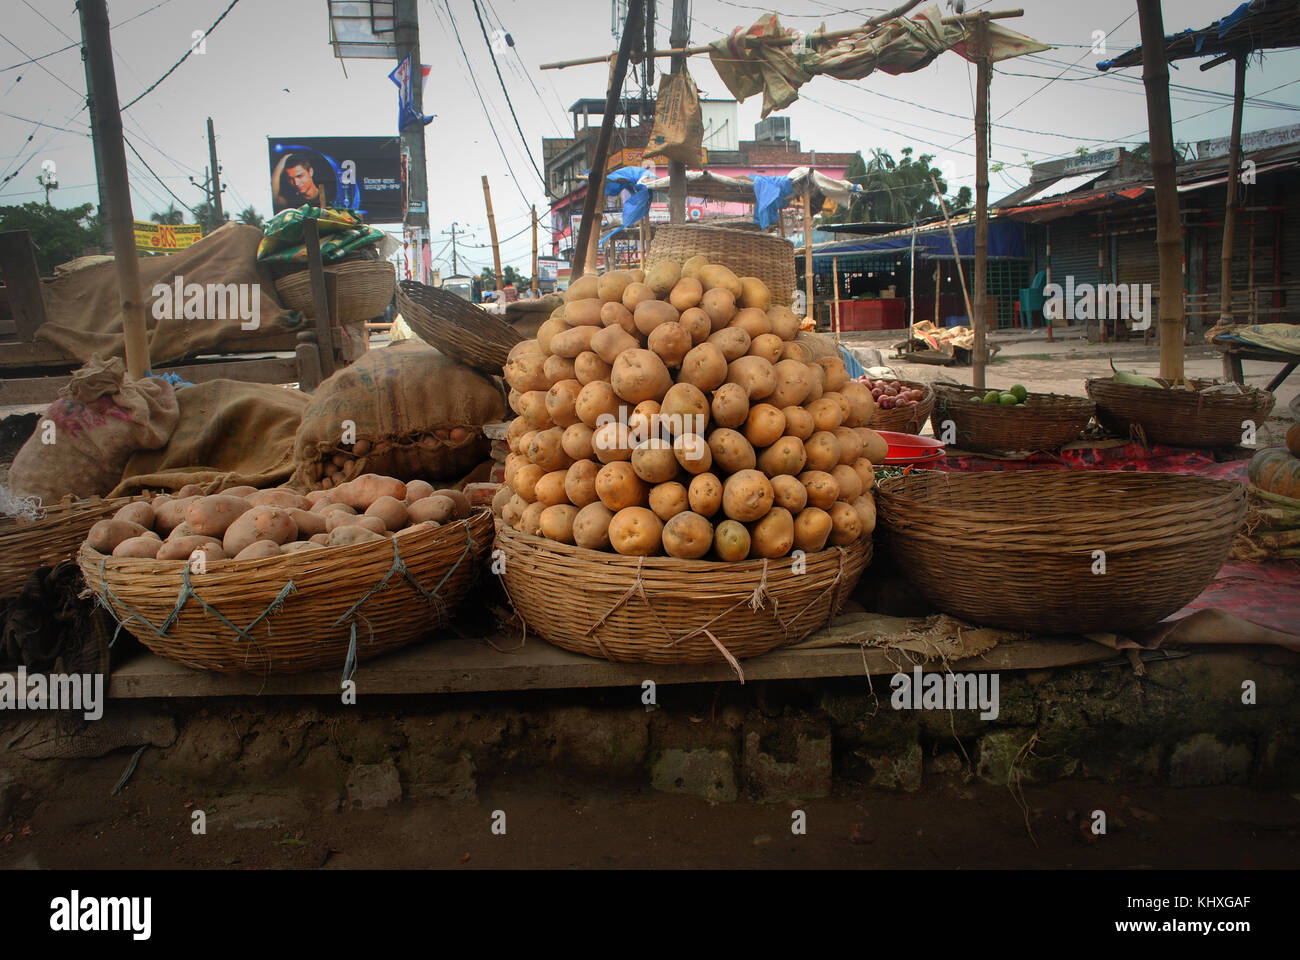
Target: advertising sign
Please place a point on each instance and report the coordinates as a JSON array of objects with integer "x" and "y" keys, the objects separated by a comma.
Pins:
[
  {"x": 164, "y": 236},
  {"x": 360, "y": 174}
]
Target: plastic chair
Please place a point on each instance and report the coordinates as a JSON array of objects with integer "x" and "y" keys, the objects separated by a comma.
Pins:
[{"x": 1031, "y": 298}]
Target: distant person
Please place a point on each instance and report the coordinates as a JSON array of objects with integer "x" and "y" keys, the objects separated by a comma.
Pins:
[{"x": 296, "y": 183}]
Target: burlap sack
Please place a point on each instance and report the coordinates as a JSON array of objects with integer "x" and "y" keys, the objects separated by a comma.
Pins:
[
  {"x": 678, "y": 132},
  {"x": 229, "y": 434},
  {"x": 405, "y": 411},
  {"x": 98, "y": 422}
]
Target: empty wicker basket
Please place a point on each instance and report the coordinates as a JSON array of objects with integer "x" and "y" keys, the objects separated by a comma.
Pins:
[
  {"x": 365, "y": 289},
  {"x": 746, "y": 253},
  {"x": 1182, "y": 418},
  {"x": 1060, "y": 552},
  {"x": 1048, "y": 421},
  {"x": 26, "y": 545},
  {"x": 302, "y": 611},
  {"x": 662, "y": 610},
  {"x": 456, "y": 327}
]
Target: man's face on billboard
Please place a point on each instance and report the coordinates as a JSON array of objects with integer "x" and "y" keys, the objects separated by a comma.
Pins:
[{"x": 301, "y": 178}]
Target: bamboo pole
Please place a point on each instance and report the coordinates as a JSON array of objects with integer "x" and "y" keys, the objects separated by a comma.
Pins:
[
  {"x": 681, "y": 26},
  {"x": 911, "y": 287},
  {"x": 1230, "y": 209},
  {"x": 952, "y": 238},
  {"x": 492, "y": 229},
  {"x": 835, "y": 281},
  {"x": 984, "y": 74},
  {"x": 938, "y": 276},
  {"x": 1169, "y": 237},
  {"x": 533, "y": 285},
  {"x": 807, "y": 244}
]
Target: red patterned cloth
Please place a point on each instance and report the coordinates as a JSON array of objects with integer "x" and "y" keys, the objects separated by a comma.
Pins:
[{"x": 1133, "y": 456}]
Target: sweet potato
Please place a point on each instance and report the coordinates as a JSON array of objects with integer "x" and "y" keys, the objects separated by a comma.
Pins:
[
  {"x": 591, "y": 526},
  {"x": 687, "y": 536},
  {"x": 636, "y": 532}
]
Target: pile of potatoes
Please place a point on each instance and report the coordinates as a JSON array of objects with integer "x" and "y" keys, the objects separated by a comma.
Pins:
[
  {"x": 338, "y": 468},
  {"x": 244, "y": 523},
  {"x": 671, "y": 411}
]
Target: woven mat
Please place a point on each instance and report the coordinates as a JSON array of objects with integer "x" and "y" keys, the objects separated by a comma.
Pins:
[{"x": 939, "y": 637}]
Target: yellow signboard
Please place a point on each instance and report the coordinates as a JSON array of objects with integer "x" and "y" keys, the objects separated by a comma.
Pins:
[{"x": 165, "y": 236}]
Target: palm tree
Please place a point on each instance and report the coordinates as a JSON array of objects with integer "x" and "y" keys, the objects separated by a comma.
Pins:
[
  {"x": 170, "y": 217},
  {"x": 251, "y": 217}
]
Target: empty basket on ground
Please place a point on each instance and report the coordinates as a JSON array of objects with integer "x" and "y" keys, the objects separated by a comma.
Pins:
[
  {"x": 456, "y": 327},
  {"x": 746, "y": 253},
  {"x": 316, "y": 609},
  {"x": 1182, "y": 418},
  {"x": 906, "y": 419},
  {"x": 663, "y": 610},
  {"x": 55, "y": 535},
  {"x": 365, "y": 288},
  {"x": 1060, "y": 552},
  {"x": 1048, "y": 421}
]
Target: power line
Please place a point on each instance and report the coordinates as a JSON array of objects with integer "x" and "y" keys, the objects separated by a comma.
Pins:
[
  {"x": 77, "y": 43},
  {"x": 173, "y": 67},
  {"x": 506, "y": 93},
  {"x": 156, "y": 177},
  {"x": 77, "y": 92}
]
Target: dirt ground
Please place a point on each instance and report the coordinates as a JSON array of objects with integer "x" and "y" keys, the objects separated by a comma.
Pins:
[{"x": 553, "y": 822}]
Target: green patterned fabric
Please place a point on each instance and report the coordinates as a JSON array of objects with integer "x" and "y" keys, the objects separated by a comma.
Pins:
[{"x": 341, "y": 233}]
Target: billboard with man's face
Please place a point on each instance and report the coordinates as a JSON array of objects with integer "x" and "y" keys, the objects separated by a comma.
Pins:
[{"x": 361, "y": 174}]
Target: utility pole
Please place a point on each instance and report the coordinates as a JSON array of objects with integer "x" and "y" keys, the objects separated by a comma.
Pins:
[
  {"x": 534, "y": 283},
  {"x": 679, "y": 35},
  {"x": 455, "y": 267},
  {"x": 407, "y": 35},
  {"x": 216, "y": 173},
  {"x": 492, "y": 228},
  {"x": 984, "y": 69},
  {"x": 105, "y": 230}
]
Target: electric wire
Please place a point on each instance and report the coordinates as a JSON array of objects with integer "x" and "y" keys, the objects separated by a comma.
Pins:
[{"x": 173, "y": 67}]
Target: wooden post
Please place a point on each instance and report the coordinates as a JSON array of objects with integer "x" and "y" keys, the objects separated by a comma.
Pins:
[
  {"x": 592, "y": 203},
  {"x": 911, "y": 286},
  {"x": 108, "y": 123},
  {"x": 1230, "y": 209},
  {"x": 983, "y": 75},
  {"x": 678, "y": 37},
  {"x": 319, "y": 295},
  {"x": 1169, "y": 235},
  {"x": 534, "y": 283},
  {"x": 952, "y": 238},
  {"x": 22, "y": 279},
  {"x": 492, "y": 229},
  {"x": 938, "y": 276},
  {"x": 835, "y": 281},
  {"x": 807, "y": 243}
]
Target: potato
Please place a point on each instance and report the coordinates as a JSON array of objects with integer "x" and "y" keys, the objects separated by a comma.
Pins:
[
  {"x": 663, "y": 276},
  {"x": 792, "y": 384},
  {"x": 866, "y": 472},
  {"x": 766, "y": 345},
  {"x": 635, "y": 294},
  {"x": 301, "y": 546},
  {"x": 640, "y": 375},
  {"x": 588, "y": 367},
  {"x": 574, "y": 341},
  {"x": 190, "y": 490},
  {"x": 513, "y": 510},
  {"x": 556, "y": 522},
  {"x": 731, "y": 541},
  {"x": 785, "y": 456},
  {"x": 524, "y": 483},
  {"x": 693, "y": 265},
  {"x": 609, "y": 286},
  {"x": 754, "y": 293},
  {"x": 687, "y": 536},
  {"x": 180, "y": 548},
  {"x": 816, "y": 382},
  {"x": 823, "y": 450},
  {"x": 528, "y": 348},
  {"x": 755, "y": 374},
  {"x": 181, "y": 529},
  {"x": 705, "y": 494},
  {"x": 846, "y": 526},
  {"x": 419, "y": 489},
  {"x": 704, "y": 367},
  {"x": 105, "y": 535},
  {"x": 822, "y": 488},
  {"x": 463, "y": 508},
  {"x": 263, "y": 523},
  {"x": 314, "y": 497},
  {"x": 643, "y": 422},
  {"x": 532, "y": 407},
  {"x": 614, "y": 314},
  {"x": 637, "y": 275},
  {"x": 612, "y": 442},
  {"x": 785, "y": 324},
  {"x": 514, "y": 400},
  {"x": 732, "y": 341},
  {"x": 788, "y": 492},
  {"x": 825, "y": 412},
  {"x": 717, "y": 276},
  {"x": 618, "y": 486},
  {"x": 668, "y": 499},
  {"x": 546, "y": 449},
  {"x": 351, "y": 535},
  {"x": 502, "y": 497},
  {"x": 550, "y": 489},
  {"x": 653, "y": 461},
  {"x": 754, "y": 322},
  {"x": 849, "y": 481},
  {"x": 697, "y": 323},
  {"x": 530, "y": 521},
  {"x": 874, "y": 447},
  {"x": 527, "y": 373},
  {"x": 720, "y": 306},
  {"x": 210, "y": 516},
  {"x": 671, "y": 342},
  {"x": 595, "y": 400},
  {"x": 559, "y": 368},
  {"x": 636, "y": 532},
  {"x": 307, "y": 522},
  {"x": 242, "y": 490},
  {"x": 137, "y": 512},
  {"x": 580, "y": 483},
  {"x": 685, "y": 409},
  {"x": 561, "y": 402},
  {"x": 325, "y": 509},
  {"x": 686, "y": 293},
  {"x": 692, "y": 452},
  {"x": 513, "y": 462},
  {"x": 576, "y": 442},
  {"x": 730, "y": 405},
  {"x": 442, "y": 509},
  {"x": 746, "y": 495},
  {"x": 651, "y": 313},
  {"x": 764, "y": 425},
  {"x": 139, "y": 548},
  {"x": 811, "y": 528},
  {"x": 850, "y": 444},
  {"x": 258, "y": 550},
  {"x": 773, "y": 535},
  {"x": 836, "y": 374},
  {"x": 609, "y": 342},
  {"x": 591, "y": 526},
  {"x": 731, "y": 451},
  {"x": 841, "y": 402},
  {"x": 582, "y": 288},
  {"x": 861, "y": 405}
]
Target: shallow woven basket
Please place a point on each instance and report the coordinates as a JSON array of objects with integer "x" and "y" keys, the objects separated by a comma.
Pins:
[
  {"x": 1019, "y": 549},
  {"x": 304, "y": 611},
  {"x": 26, "y": 545},
  {"x": 662, "y": 610},
  {"x": 1182, "y": 418},
  {"x": 746, "y": 253},
  {"x": 909, "y": 419},
  {"x": 456, "y": 327},
  {"x": 1048, "y": 421},
  {"x": 365, "y": 288}
]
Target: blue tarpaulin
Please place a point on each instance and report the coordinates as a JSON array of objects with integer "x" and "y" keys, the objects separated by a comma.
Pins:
[
  {"x": 638, "y": 201},
  {"x": 1006, "y": 239},
  {"x": 770, "y": 195}
]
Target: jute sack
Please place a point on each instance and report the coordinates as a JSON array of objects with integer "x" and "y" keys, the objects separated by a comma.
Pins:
[
  {"x": 86, "y": 436},
  {"x": 678, "y": 132},
  {"x": 404, "y": 411},
  {"x": 229, "y": 434}
]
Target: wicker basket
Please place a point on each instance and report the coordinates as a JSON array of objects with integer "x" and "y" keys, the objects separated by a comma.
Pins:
[
  {"x": 1020, "y": 549},
  {"x": 296, "y": 612},
  {"x": 365, "y": 288},
  {"x": 1046, "y": 422},
  {"x": 26, "y": 545},
  {"x": 908, "y": 419},
  {"x": 747, "y": 253},
  {"x": 457, "y": 327},
  {"x": 1182, "y": 418},
  {"x": 662, "y": 610}
]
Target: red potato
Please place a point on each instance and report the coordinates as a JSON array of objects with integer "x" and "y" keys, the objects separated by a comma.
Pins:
[
  {"x": 261, "y": 523},
  {"x": 210, "y": 516},
  {"x": 308, "y": 523},
  {"x": 139, "y": 548},
  {"x": 274, "y": 498},
  {"x": 180, "y": 548},
  {"x": 418, "y": 490},
  {"x": 105, "y": 535},
  {"x": 170, "y": 513},
  {"x": 259, "y": 550},
  {"x": 435, "y": 508},
  {"x": 390, "y": 510},
  {"x": 361, "y": 492},
  {"x": 136, "y": 512},
  {"x": 369, "y": 523}
]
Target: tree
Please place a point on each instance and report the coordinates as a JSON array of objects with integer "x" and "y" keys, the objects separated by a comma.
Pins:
[
  {"x": 58, "y": 235},
  {"x": 170, "y": 217},
  {"x": 251, "y": 217},
  {"x": 511, "y": 275},
  {"x": 205, "y": 215},
  {"x": 897, "y": 191}
]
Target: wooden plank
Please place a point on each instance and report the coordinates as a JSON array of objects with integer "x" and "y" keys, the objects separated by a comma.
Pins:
[
  {"x": 22, "y": 282},
  {"x": 319, "y": 294},
  {"x": 16, "y": 355},
  {"x": 27, "y": 390}
]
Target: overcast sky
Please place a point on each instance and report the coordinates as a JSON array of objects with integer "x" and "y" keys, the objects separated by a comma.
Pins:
[{"x": 268, "y": 70}]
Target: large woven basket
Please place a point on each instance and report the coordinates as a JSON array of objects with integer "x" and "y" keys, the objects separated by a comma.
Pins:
[
  {"x": 365, "y": 288},
  {"x": 746, "y": 253},
  {"x": 26, "y": 545},
  {"x": 1182, "y": 418},
  {"x": 908, "y": 419},
  {"x": 662, "y": 610},
  {"x": 456, "y": 327},
  {"x": 1060, "y": 552},
  {"x": 303, "y": 611},
  {"x": 1048, "y": 421}
]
